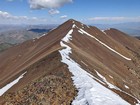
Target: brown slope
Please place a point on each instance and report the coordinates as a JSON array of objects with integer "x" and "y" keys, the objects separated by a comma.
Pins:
[
  {"x": 41, "y": 58},
  {"x": 38, "y": 57},
  {"x": 50, "y": 83},
  {"x": 129, "y": 42},
  {"x": 97, "y": 57},
  {"x": 16, "y": 59}
]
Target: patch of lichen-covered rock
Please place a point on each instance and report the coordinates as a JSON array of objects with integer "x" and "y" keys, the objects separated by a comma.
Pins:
[{"x": 49, "y": 90}]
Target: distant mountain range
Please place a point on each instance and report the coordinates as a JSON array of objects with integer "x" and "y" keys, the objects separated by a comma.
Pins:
[
  {"x": 131, "y": 28},
  {"x": 17, "y": 33}
]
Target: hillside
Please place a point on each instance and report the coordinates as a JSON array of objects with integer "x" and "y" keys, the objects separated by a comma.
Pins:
[
  {"x": 4, "y": 46},
  {"x": 18, "y": 34},
  {"x": 72, "y": 64}
]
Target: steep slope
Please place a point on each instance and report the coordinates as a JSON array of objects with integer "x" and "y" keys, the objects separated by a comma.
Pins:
[
  {"x": 102, "y": 68},
  {"x": 37, "y": 57},
  {"x": 131, "y": 43}
]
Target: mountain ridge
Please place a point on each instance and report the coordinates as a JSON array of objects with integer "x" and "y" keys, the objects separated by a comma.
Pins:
[{"x": 111, "y": 63}]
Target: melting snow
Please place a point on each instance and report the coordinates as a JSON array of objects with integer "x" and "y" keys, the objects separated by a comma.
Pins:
[
  {"x": 114, "y": 87},
  {"x": 88, "y": 26},
  {"x": 126, "y": 86},
  {"x": 110, "y": 76},
  {"x": 103, "y": 31},
  {"x": 68, "y": 36},
  {"x": 52, "y": 29},
  {"x": 40, "y": 36},
  {"x": 8, "y": 86},
  {"x": 90, "y": 91},
  {"x": 73, "y": 26},
  {"x": 104, "y": 79},
  {"x": 84, "y": 63},
  {"x": 81, "y": 30}
]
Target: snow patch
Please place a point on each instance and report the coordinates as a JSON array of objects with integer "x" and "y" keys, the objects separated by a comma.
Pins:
[
  {"x": 8, "y": 86},
  {"x": 68, "y": 36},
  {"x": 73, "y": 26},
  {"x": 40, "y": 36},
  {"x": 88, "y": 26},
  {"x": 52, "y": 29},
  {"x": 126, "y": 86},
  {"x": 103, "y": 31},
  {"x": 80, "y": 32},
  {"x": 90, "y": 91},
  {"x": 114, "y": 87},
  {"x": 104, "y": 79},
  {"x": 108, "y": 29},
  {"x": 84, "y": 63},
  {"x": 104, "y": 44},
  {"x": 110, "y": 76}
]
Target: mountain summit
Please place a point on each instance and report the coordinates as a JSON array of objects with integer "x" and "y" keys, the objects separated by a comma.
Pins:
[{"x": 73, "y": 64}]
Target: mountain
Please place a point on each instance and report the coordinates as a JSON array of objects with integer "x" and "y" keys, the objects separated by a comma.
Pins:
[
  {"x": 72, "y": 64},
  {"x": 8, "y": 27}
]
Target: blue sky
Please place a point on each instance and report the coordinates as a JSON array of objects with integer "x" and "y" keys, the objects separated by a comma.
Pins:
[{"x": 58, "y": 11}]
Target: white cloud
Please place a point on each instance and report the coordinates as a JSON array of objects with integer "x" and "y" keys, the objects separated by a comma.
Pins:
[
  {"x": 10, "y": 0},
  {"x": 6, "y": 18},
  {"x": 63, "y": 17},
  {"x": 47, "y": 4},
  {"x": 107, "y": 18},
  {"x": 4, "y": 14},
  {"x": 53, "y": 11}
]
